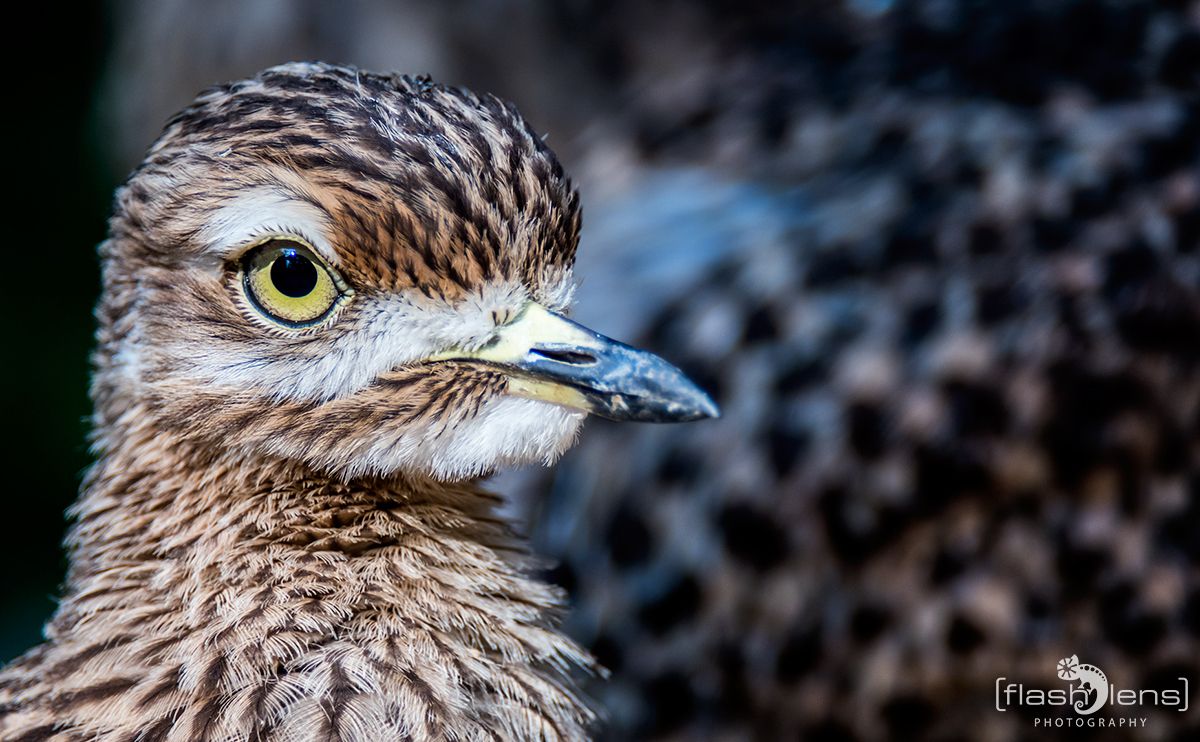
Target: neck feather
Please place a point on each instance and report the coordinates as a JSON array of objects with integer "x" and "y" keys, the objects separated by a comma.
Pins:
[{"x": 225, "y": 590}]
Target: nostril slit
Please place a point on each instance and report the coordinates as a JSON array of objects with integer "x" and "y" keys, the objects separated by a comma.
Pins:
[{"x": 573, "y": 357}]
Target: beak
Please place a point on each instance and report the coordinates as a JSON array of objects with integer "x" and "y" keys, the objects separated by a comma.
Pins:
[{"x": 551, "y": 358}]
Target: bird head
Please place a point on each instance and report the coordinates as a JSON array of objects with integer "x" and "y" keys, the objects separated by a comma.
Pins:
[{"x": 364, "y": 273}]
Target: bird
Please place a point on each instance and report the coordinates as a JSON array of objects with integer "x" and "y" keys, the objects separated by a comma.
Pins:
[{"x": 332, "y": 302}]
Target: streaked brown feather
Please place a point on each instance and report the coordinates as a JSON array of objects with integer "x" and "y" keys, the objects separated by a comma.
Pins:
[{"x": 232, "y": 575}]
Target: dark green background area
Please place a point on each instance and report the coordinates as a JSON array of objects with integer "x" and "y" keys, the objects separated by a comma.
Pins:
[{"x": 58, "y": 200}]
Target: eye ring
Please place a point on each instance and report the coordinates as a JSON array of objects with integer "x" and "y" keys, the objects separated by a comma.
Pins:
[{"x": 286, "y": 282}]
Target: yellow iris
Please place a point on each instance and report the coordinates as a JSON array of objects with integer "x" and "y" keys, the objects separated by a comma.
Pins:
[{"x": 287, "y": 282}]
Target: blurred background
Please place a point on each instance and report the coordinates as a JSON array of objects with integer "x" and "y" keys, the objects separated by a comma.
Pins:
[{"x": 936, "y": 260}]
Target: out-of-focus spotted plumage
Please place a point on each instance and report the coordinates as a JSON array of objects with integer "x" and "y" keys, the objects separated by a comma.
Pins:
[
  {"x": 954, "y": 338},
  {"x": 272, "y": 544}
]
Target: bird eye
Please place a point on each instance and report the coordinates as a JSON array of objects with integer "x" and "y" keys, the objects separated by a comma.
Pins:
[{"x": 288, "y": 283}]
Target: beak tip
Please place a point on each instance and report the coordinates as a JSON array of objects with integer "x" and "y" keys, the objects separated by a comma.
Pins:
[{"x": 697, "y": 404}]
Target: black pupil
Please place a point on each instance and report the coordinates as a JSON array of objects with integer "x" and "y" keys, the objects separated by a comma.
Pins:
[{"x": 293, "y": 274}]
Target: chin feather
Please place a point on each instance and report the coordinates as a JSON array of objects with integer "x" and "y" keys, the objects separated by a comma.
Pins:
[{"x": 509, "y": 431}]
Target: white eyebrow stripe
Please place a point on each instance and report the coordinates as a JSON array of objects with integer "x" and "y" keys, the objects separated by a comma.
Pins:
[{"x": 263, "y": 211}]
